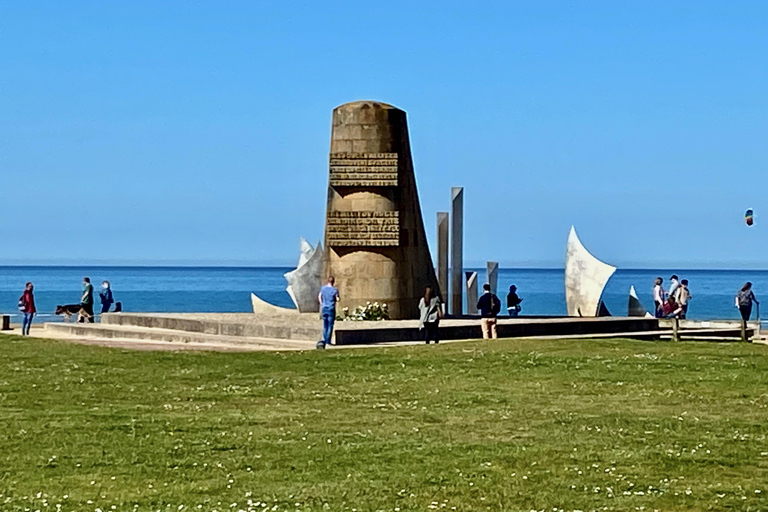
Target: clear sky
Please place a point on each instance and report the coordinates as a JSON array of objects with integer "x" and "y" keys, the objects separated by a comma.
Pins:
[{"x": 198, "y": 132}]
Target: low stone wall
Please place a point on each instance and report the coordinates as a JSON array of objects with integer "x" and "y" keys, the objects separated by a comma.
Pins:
[
  {"x": 363, "y": 333},
  {"x": 295, "y": 327},
  {"x": 309, "y": 327}
]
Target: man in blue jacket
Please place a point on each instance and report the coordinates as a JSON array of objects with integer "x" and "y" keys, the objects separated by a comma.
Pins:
[{"x": 106, "y": 297}]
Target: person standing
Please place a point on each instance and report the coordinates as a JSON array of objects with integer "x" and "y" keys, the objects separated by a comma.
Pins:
[
  {"x": 27, "y": 307},
  {"x": 682, "y": 296},
  {"x": 513, "y": 301},
  {"x": 86, "y": 301},
  {"x": 744, "y": 300},
  {"x": 674, "y": 284},
  {"x": 106, "y": 297},
  {"x": 328, "y": 297},
  {"x": 489, "y": 307},
  {"x": 429, "y": 315},
  {"x": 658, "y": 298}
]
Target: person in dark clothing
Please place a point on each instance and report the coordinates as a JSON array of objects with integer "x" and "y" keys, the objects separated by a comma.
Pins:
[
  {"x": 86, "y": 301},
  {"x": 27, "y": 307},
  {"x": 513, "y": 301},
  {"x": 106, "y": 297},
  {"x": 744, "y": 300},
  {"x": 429, "y": 315},
  {"x": 489, "y": 306}
]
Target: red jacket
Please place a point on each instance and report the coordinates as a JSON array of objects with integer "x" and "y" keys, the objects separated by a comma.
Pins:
[{"x": 29, "y": 302}]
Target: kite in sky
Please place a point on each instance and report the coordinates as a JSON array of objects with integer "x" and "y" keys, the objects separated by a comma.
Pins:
[{"x": 749, "y": 217}]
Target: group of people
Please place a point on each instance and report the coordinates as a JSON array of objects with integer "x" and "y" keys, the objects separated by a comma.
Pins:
[
  {"x": 488, "y": 305},
  {"x": 28, "y": 308},
  {"x": 430, "y": 311},
  {"x": 672, "y": 303},
  {"x": 86, "y": 300}
]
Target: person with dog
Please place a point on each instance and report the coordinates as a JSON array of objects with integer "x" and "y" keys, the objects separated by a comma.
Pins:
[
  {"x": 489, "y": 306},
  {"x": 27, "y": 307},
  {"x": 106, "y": 297},
  {"x": 86, "y": 301}
]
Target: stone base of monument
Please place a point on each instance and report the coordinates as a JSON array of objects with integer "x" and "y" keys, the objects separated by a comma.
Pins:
[{"x": 301, "y": 331}]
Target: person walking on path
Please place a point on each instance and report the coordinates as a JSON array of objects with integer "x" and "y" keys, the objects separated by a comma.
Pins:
[
  {"x": 328, "y": 297},
  {"x": 744, "y": 300},
  {"x": 489, "y": 307},
  {"x": 106, "y": 297},
  {"x": 429, "y": 315},
  {"x": 658, "y": 298},
  {"x": 27, "y": 307},
  {"x": 682, "y": 296},
  {"x": 513, "y": 301},
  {"x": 86, "y": 301}
]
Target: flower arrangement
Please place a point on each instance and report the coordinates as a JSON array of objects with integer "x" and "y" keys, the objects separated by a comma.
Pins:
[{"x": 371, "y": 311}]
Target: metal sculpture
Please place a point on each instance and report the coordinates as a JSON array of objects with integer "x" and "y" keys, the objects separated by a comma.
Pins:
[{"x": 585, "y": 278}]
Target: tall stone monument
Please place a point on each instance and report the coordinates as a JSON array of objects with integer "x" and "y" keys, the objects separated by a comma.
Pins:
[
  {"x": 492, "y": 274},
  {"x": 442, "y": 254},
  {"x": 457, "y": 249},
  {"x": 376, "y": 246},
  {"x": 471, "y": 292}
]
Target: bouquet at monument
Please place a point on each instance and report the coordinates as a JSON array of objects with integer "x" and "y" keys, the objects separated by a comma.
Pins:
[{"x": 371, "y": 311}]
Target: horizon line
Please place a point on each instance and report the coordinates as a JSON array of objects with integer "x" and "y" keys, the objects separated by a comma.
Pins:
[{"x": 256, "y": 266}]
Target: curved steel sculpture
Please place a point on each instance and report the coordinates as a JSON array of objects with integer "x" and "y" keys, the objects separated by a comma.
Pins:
[
  {"x": 262, "y": 307},
  {"x": 635, "y": 307},
  {"x": 585, "y": 278},
  {"x": 304, "y": 282}
]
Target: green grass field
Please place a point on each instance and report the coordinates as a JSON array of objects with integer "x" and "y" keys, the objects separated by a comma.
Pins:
[{"x": 506, "y": 425}]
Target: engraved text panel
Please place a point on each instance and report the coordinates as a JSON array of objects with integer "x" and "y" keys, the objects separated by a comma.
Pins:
[{"x": 363, "y": 229}]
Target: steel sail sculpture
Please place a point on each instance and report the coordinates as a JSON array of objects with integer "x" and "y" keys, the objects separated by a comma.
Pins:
[{"x": 585, "y": 278}]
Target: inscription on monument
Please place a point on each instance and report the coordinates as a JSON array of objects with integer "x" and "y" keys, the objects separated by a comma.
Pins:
[
  {"x": 363, "y": 169},
  {"x": 363, "y": 229}
]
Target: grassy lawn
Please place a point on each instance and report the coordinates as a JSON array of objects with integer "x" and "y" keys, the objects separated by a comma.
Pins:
[{"x": 506, "y": 425}]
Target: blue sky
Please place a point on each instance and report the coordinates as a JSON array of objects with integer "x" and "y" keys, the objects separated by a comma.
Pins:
[{"x": 198, "y": 132}]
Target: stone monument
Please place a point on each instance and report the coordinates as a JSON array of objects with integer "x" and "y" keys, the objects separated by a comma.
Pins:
[
  {"x": 442, "y": 254},
  {"x": 375, "y": 242},
  {"x": 492, "y": 274},
  {"x": 471, "y": 292},
  {"x": 457, "y": 249}
]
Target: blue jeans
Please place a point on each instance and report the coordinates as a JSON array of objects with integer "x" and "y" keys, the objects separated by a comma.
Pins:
[
  {"x": 329, "y": 317},
  {"x": 26, "y": 323}
]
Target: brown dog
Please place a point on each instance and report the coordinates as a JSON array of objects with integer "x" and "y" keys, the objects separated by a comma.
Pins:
[{"x": 70, "y": 310}]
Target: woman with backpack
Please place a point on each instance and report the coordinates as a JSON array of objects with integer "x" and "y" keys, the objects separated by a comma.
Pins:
[
  {"x": 744, "y": 300},
  {"x": 429, "y": 315},
  {"x": 27, "y": 307}
]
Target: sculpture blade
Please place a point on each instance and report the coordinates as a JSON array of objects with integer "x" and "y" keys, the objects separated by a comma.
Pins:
[{"x": 585, "y": 278}]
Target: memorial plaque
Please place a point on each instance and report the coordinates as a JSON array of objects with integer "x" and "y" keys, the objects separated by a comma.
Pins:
[
  {"x": 363, "y": 170},
  {"x": 363, "y": 229}
]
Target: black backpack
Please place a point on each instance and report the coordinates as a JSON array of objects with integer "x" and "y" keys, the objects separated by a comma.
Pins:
[{"x": 495, "y": 304}]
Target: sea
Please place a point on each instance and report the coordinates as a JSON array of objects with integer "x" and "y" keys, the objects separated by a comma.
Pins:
[{"x": 228, "y": 289}]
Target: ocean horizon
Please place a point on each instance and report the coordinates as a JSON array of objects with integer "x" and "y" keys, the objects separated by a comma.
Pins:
[{"x": 227, "y": 289}]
